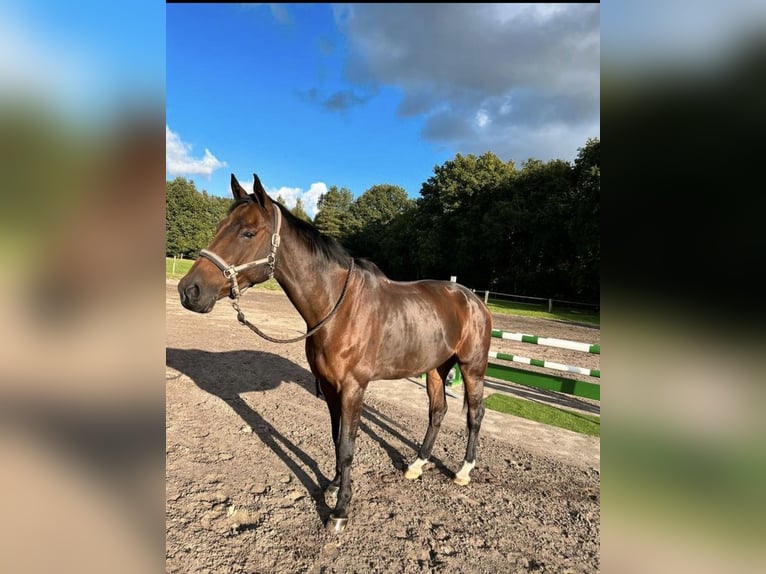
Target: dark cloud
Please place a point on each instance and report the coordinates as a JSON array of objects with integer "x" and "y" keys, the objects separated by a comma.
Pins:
[
  {"x": 343, "y": 100},
  {"x": 339, "y": 101},
  {"x": 446, "y": 125},
  {"x": 480, "y": 72}
]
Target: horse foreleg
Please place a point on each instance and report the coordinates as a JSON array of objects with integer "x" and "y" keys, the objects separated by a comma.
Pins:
[
  {"x": 333, "y": 405},
  {"x": 435, "y": 381},
  {"x": 351, "y": 410}
]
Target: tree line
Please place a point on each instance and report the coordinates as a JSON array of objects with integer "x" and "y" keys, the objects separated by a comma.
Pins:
[{"x": 531, "y": 230}]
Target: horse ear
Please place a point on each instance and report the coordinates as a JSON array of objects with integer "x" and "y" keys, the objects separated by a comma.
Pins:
[
  {"x": 237, "y": 190},
  {"x": 259, "y": 192}
]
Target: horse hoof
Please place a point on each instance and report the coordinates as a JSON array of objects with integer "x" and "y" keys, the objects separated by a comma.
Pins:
[
  {"x": 461, "y": 481},
  {"x": 336, "y": 525},
  {"x": 413, "y": 474}
]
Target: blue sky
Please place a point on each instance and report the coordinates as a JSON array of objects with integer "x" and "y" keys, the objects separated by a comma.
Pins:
[{"x": 313, "y": 95}]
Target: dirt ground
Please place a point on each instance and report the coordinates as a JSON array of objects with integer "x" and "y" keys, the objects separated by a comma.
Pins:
[{"x": 249, "y": 450}]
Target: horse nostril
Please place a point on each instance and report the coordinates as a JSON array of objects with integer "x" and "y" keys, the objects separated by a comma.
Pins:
[{"x": 192, "y": 292}]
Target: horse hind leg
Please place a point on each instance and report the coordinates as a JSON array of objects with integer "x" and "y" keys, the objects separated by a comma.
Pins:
[
  {"x": 435, "y": 382},
  {"x": 473, "y": 381}
]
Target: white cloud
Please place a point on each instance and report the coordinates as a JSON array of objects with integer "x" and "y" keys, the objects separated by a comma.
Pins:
[
  {"x": 290, "y": 195},
  {"x": 178, "y": 158},
  {"x": 482, "y": 119},
  {"x": 311, "y": 197}
]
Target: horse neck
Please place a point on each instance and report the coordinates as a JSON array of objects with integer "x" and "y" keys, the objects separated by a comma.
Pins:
[{"x": 312, "y": 285}]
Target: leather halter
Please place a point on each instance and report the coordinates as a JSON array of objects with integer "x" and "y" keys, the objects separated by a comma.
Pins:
[{"x": 231, "y": 271}]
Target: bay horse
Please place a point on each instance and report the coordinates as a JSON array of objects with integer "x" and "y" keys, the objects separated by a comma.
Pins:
[{"x": 365, "y": 326}]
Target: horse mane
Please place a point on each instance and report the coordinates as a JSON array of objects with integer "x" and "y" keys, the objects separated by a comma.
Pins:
[{"x": 320, "y": 244}]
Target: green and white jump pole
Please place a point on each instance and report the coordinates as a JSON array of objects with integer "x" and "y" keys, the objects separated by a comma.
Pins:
[
  {"x": 535, "y": 340},
  {"x": 540, "y": 380}
]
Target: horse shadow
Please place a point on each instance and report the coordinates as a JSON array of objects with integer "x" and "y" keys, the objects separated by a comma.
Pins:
[{"x": 228, "y": 374}]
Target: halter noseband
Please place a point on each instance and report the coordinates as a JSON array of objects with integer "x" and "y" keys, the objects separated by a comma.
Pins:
[{"x": 231, "y": 271}]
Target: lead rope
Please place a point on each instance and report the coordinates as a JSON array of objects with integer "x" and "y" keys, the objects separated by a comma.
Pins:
[{"x": 257, "y": 331}]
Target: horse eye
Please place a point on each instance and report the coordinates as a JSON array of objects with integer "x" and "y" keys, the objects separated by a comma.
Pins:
[{"x": 248, "y": 234}]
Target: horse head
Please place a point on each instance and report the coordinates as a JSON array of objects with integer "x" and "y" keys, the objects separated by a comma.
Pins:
[{"x": 242, "y": 253}]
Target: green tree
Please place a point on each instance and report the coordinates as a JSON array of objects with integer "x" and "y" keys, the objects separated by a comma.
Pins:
[
  {"x": 333, "y": 217},
  {"x": 184, "y": 218},
  {"x": 190, "y": 217},
  {"x": 299, "y": 212},
  {"x": 398, "y": 240},
  {"x": 371, "y": 214},
  {"x": 541, "y": 248},
  {"x": 451, "y": 210},
  {"x": 531, "y": 231},
  {"x": 379, "y": 205},
  {"x": 584, "y": 221}
]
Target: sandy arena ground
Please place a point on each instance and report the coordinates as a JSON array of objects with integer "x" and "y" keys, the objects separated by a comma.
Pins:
[{"x": 249, "y": 450}]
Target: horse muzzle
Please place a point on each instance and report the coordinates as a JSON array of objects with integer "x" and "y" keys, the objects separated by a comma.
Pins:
[{"x": 194, "y": 298}]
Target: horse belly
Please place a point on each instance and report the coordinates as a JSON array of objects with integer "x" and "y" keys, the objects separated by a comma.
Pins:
[{"x": 410, "y": 349}]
